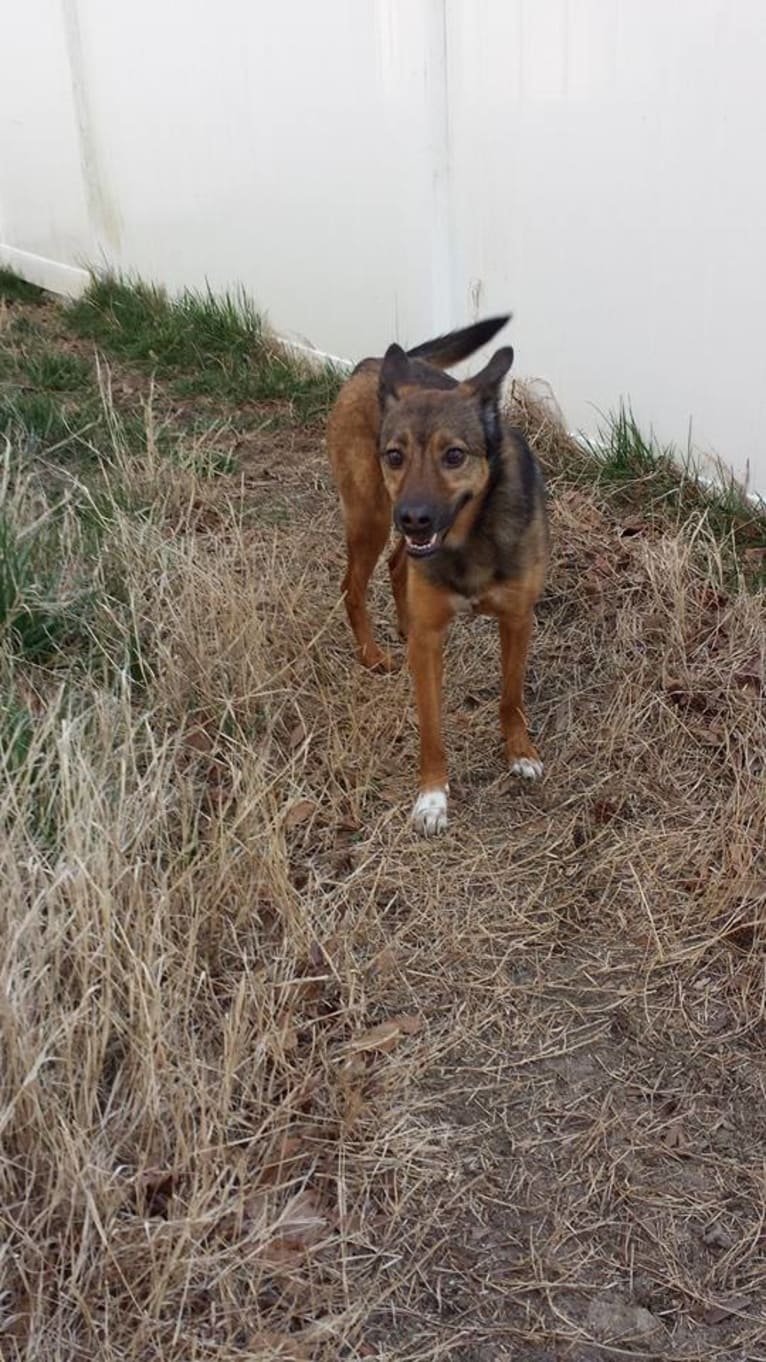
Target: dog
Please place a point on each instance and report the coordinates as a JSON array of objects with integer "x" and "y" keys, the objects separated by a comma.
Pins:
[{"x": 469, "y": 506}]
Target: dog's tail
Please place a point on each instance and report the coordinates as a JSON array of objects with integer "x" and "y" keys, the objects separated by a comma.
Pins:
[{"x": 444, "y": 351}]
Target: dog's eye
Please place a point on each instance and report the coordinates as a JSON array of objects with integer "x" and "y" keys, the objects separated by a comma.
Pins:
[
  {"x": 394, "y": 458},
  {"x": 453, "y": 458}
]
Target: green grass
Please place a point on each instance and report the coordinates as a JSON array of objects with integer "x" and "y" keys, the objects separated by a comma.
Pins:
[
  {"x": 55, "y": 372},
  {"x": 14, "y": 289},
  {"x": 657, "y": 479},
  {"x": 16, "y": 732},
  {"x": 37, "y": 415},
  {"x": 37, "y": 613},
  {"x": 213, "y": 346},
  {"x": 40, "y": 423},
  {"x": 142, "y": 324}
]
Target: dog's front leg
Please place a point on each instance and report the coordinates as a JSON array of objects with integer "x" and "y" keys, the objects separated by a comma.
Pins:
[
  {"x": 522, "y": 755},
  {"x": 429, "y": 616}
]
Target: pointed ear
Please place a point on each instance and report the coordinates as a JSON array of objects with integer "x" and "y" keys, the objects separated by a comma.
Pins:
[
  {"x": 486, "y": 387},
  {"x": 486, "y": 384},
  {"x": 394, "y": 373}
]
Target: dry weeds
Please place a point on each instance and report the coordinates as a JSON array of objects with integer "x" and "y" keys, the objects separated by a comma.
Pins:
[{"x": 283, "y": 1080}]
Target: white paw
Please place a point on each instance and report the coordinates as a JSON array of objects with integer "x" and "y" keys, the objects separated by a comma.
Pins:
[
  {"x": 430, "y": 812},
  {"x": 527, "y": 768}
]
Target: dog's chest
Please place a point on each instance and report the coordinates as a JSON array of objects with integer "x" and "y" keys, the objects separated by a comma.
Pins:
[{"x": 485, "y": 602}]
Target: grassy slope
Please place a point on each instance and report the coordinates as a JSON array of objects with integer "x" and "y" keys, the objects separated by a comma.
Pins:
[{"x": 279, "y": 1079}]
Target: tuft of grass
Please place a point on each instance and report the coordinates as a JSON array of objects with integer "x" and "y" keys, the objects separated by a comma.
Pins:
[
  {"x": 214, "y": 346},
  {"x": 140, "y": 322},
  {"x": 40, "y": 422},
  {"x": 14, "y": 289},
  {"x": 55, "y": 371},
  {"x": 38, "y": 613},
  {"x": 660, "y": 480},
  {"x": 16, "y": 731}
]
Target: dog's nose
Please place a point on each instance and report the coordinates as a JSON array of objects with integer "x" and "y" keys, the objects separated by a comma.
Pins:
[{"x": 416, "y": 519}]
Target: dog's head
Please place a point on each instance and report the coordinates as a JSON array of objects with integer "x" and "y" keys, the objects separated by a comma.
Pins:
[{"x": 437, "y": 447}]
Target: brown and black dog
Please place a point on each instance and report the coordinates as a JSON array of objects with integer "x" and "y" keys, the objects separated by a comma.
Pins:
[{"x": 469, "y": 503}]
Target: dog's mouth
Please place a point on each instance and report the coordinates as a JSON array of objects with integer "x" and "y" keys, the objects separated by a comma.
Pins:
[
  {"x": 423, "y": 545},
  {"x": 422, "y": 548}
]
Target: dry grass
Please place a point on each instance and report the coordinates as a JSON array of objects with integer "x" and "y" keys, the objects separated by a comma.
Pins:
[{"x": 284, "y": 1081}]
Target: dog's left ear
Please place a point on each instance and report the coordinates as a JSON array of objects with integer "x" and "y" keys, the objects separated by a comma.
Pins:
[
  {"x": 486, "y": 387},
  {"x": 486, "y": 384},
  {"x": 394, "y": 373}
]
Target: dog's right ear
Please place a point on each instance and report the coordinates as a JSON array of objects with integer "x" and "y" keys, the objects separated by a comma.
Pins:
[{"x": 394, "y": 373}]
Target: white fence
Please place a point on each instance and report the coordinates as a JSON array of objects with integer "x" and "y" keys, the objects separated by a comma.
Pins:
[{"x": 378, "y": 169}]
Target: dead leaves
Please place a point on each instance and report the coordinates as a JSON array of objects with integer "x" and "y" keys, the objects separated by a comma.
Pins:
[
  {"x": 750, "y": 674},
  {"x": 720, "y": 1312},
  {"x": 282, "y": 1159},
  {"x": 299, "y": 812},
  {"x": 710, "y": 735},
  {"x": 681, "y": 693},
  {"x": 386, "y": 1035},
  {"x": 154, "y": 1190},
  {"x": 285, "y": 1347},
  {"x": 675, "y": 1138},
  {"x": 297, "y": 737},
  {"x": 754, "y": 558},
  {"x": 359, "y": 1062},
  {"x": 289, "y": 1232}
]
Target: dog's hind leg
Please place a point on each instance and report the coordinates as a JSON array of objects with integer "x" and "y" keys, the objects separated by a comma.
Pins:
[
  {"x": 365, "y": 542},
  {"x": 397, "y": 566}
]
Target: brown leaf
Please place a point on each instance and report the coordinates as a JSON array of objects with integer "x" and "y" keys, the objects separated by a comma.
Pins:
[
  {"x": 711, "y": 735},
  {"x": 284, "y": 1038},
  {"x": 390, "y": 793},
  {"x": 562, "y": 715},
  {"x": 287, "y": 1151},
  {"x": 199, "y": 739},
  {"x": 593, "y": 584},
  {"x": 751, "y": 674},
  {"x": 674, "y": 1137},
  {"x": 735, "y": 1305},
  {"x": 256, "y": 1207},
  {"x": 353, "y": 1106},
  {"x": 680, "y": 694},
  {"x": 304, "y": 1219},
  {"x": 299, "y": 813},
  {"x": 385, "y": 961},
  {"x": 711, "y": 598},
  {"x": 579, "y": 833},
  {"x": 630, "y": 528},
  {"x": 601, "y": 565},
  {"x": 322, "y": 952},
  {"x": 154, "y": 1189},
  {"x": 354, "y": 1066},
  {"x": 297, "y": 736},
  {"x": 754, "y": 557},
  {"x": 387, "y": 1034},
  {"x": 604, "y": 810},
  {"x": 287, "y": 1347},
  {"x": 348, "y": 823},
  {"x": 283, "y": 1254}
]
